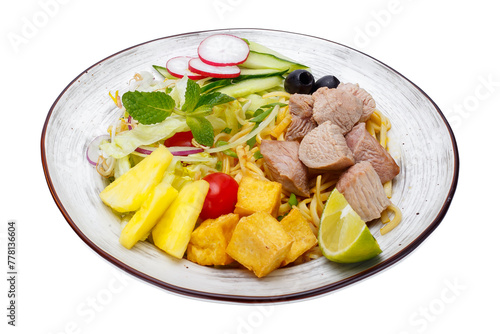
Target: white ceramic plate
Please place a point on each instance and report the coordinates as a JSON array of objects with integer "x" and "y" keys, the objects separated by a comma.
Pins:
[{"x": 421, "y": 141}]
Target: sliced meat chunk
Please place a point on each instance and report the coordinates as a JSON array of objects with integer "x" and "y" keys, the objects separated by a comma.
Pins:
[
  {"x": 368, "y": 101},
  {"x": 301, "y": 109},
  {"x": 365, "y": 147},
  {"x": 363, "y": 190},
  {"x": 299, "y": 127},
  {"x": 282, "y": 159},
  {"x": 338, "y": 106},
  {"x": 325, "y": 148},
  {"x": 301, "y": 105}
]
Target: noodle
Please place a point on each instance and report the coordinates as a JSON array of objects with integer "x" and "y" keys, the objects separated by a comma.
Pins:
[
  {"x": 318, "y": 192},
  {"x": 388, "y": 188},
  {"x": 281, "y": 127},
  {"x": 389, "y": 226},
  {"x": 282, "y": 114}
]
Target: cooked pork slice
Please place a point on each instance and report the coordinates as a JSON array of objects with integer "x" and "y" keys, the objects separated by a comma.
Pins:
[
  {"x": 368, "y": 101},
  {"x": 338, "y": 106},
  {"x": 299, "y": 127},
  {"x": 282, "y": 159},
  {"x": 365, "y": 147},
  {"x": 325, "y": 148},
  {"x": 301, "y": 108},
  {"x": 363, "y": 190},
  {"x": 301, "y": 105}
]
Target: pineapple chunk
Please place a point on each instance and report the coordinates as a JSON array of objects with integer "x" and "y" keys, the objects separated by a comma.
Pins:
[
  {"x": 258, "y": 195},
  {"x": 259, "y": 243},
  {"x": 151, "y": 210},
  {"x": 303, "y": 237},
  {"x": 129, "y": 191},
  {"x": 209, "y": 241},
  {"x": 173, "y": 230}
]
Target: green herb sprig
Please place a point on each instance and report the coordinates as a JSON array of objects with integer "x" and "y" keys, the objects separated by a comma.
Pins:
[{"x": 155, "y": 107}]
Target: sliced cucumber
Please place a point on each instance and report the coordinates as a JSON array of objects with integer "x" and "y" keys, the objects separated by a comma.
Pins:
[
  {"x": 257, "y": 60},
  {"x": 163, "y": 71},
  {"x": 250, "y": 86},
  {"x": 216, "y": 84},
  {"x": 264, "y": 49},
  {"x": 246, "y": 73}
]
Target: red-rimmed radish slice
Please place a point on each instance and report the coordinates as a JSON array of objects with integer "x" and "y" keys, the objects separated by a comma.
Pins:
[
  {"x": 178, "y": 67},
  {"x": 223, "y": 50},
  {"x": 199, "y": 67},
  {"x": 93, "y": 149}
]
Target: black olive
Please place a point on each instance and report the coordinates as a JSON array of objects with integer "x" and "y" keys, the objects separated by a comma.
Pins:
[
  {"x": 327, "y": 81},
  {"x": 299, "y": 81}
]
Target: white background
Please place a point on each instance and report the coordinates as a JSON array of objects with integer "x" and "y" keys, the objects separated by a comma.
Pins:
[{"x": 449, "y": 284}]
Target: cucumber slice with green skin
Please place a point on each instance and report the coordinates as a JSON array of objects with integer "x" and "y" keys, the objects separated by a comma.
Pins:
[
  {"x": 250, "y": 86},
  {"x": 216, "y": 84},
  {"x": 248, "y": 73},
  {"x": 245, "y": 74},
  {"x": 264, "y": 49},
  {"x": 266, "y": 60},
  {"x": 163, "y": 71}
]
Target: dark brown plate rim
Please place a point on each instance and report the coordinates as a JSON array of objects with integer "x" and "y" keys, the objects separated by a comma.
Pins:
[{"x": 256, "y": 299}]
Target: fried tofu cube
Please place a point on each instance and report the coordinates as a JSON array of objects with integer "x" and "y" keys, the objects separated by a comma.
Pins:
[
  {"x": 208, "y": 242},
  {"x": 303, "y": 237},
  {"x": 259, "y": 243},
  {"x": 258, "y": 195}
]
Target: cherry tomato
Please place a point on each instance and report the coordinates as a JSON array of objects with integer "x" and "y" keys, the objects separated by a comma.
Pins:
[
  {"x": 180, "y": 139},
  {"x": 222, "y": 196}
]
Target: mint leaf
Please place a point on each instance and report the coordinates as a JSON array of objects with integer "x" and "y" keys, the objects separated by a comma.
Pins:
[
  {"x": 202, "y": 111},
  {"x": 202, "y": 129},
  {"x": 148, "y": 107},
  {"x": 213, "y": 99},
  {"x": 192, "y": 96}
]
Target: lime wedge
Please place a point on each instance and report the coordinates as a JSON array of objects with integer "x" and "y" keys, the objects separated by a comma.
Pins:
[{"x": 343, "y": 237}]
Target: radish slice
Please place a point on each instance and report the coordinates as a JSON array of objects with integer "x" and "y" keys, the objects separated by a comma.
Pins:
[
  {"x": 223, "y": 50},
  {"x": 178, "y": 67},
  {"x": 199, "y": 67},
  {"x": 93, "y": 149}
]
